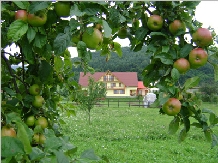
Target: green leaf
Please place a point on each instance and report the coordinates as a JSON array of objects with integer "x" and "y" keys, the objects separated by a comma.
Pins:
[
  {"x": 22, "y": 4},
  {"x": 213, "y": 119},
  {"x": 12, "y": 117},
  {"x": 165, "y": 49},
  {"x": 214, "y": 140},
  {"x": 73, "y": 24},
  {"x": 61, "y": 42},
  {"x": 16, "y": 30},
  {"x": 157, "y": 34},
  {"x": 191, "y": 82},
  {"x": 23, "y": 137},
  {"x": 31, "y": 33},
  {"x": 174, "y": 125},
  {"x": 107, "y": 29},
  {"x": 141, "y": 33},
  {"x": 74, "y": 11},
  {"x": 185, "y": 50},
  {"x": 81, "y": 49},
  {"x": 175, "y": 74},
  {"x": 208, "y": 135},
  {"x": 215, "y": 68},
  {"x": 165, "y": 58},
  {"x": 118, "y": 49},
  {"x": 36, "y": 154},
  {"x": 182, "y": 135},
  {"x": 198, "y": 125},
  {"x": 89, "y": 155},
  {"x": 40, "y": 40},
  {"x": 58, "y": 63},
  {"x": 45, "y": 71},
  {"x": 37, "y": 6},
  {"x": 61, "y": 158},
  {"x": 11, "y": 146}
]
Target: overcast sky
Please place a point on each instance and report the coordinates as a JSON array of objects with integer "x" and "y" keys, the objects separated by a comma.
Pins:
[{"x": 206, "y": 12}]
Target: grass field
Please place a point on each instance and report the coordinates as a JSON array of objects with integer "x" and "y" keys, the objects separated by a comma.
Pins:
[{"x": 137, "y": 135}]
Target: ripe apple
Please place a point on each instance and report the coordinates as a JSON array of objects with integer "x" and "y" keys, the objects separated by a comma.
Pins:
[
  {"x": 62, "y": 8},
  {"x": 197, "y": 58},
  {"x": 34, "y": 89},
  {"x": 30, "y": 121},
  {"x": 38, "y": 101},
  {"x": 182, "y": 65},
  {"x": 42, "y": 121},
  {"x": 155, "y": 22},
  {"x": 8, "y": 131},
  {"x": 122, "y": 33},
  {"x": 202, "y": 37},
  {"x": 177, "y": 26},
  {"x": 93, "y": 40},
  {"x": 21, "y": 14},
  {"x": 37, "y": 20},
  {"x": 39, "y": 138},
  {"x": 172, "y": 106}
]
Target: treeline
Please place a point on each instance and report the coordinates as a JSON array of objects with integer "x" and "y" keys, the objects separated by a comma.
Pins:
[{"x": 136, "y": 62}]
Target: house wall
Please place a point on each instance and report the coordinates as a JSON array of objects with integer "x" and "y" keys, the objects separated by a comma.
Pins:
[{"x": 110, "y": 92}]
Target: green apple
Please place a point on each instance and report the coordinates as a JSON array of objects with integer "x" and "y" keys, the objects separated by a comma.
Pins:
[
  {"x": 122, "y": 33},
  {"x": 197, "y": 58},
  {"x": 42, "y": 121},
  {"x": 62, "y": 8},
  {"x": 177, "y": 26},
  {"x": 34, "y": 89},
  {"x": 202, "y": 37},
  {"x": 93, "y": 40},
  {"x": 30, "y": 121},
  {"x": 182, "y": 65},
  {"x": 21, "y": 14},
  {"x": 155, "y": 22},
  {"x": 38, "y": 101},
  {"x": 172, "y": 107},
  {"x": 37, "y": 20},
  {"x": 39, "y": 138}
]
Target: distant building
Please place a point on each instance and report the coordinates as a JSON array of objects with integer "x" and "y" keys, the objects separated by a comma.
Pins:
[{"x": 119, "y": 84}]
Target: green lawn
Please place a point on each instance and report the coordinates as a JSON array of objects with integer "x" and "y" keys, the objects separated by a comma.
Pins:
[{"x": 137, "y": 135}]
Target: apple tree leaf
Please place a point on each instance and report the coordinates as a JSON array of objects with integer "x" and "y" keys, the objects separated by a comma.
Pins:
[
  {"x": 215, "y": 67},
  {"x": 58, "y": 63},
  {"x": 214, "y": 140},
  {"x": 11, "y": 146},
  {"x": 27, "y": 50},
  {"x": 141, "y": 33},
  {"x": 61, "y": 157},
  {"x": 22, "y": 4},
  {"x": 174, "y": 125},
  {"x": 107, "y": 29},
  {"x": 45, "y": 71},
  {"x": 118, "y": 49},
  {"x": 36, "y": 153},
  {"x": 75, "y": 11},
  {"x": 40, "y": 40},
  {"x": 165, "y": 48},
  {"x": 165, "y": 59},
  {"x": 23, "y": 137},
  {"x": 191, "y": 82},
  {"x": 185, "y": 50},
  {"x": 175, "y": 74},
  {"x": 31, "y": 33},
  {"x": 38, "y": 5},
  {"x": 16, "y": 30},
  {"x": 61, "y": 42},
  {"x": 182, "y": 135},
  {"x": 89, "y": 155}
]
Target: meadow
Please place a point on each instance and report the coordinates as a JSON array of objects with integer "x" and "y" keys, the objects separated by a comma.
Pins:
[{"x": 137, "y": 135}]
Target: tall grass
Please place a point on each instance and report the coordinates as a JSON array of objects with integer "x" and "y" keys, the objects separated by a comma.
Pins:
[{"x": 137, "y": 135}]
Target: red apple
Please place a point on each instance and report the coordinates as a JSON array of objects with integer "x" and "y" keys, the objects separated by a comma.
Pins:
[
  {"x": 177, "y": 26},
  {"x": 202, "y": 37},
  {"x": 21, "y": 14},
  {"x": 37, "y": 20},
  {"x": 197, "y": 58},
  {"x": 182, "y": 65}
]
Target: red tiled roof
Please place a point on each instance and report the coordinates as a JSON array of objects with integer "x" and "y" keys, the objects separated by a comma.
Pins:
[
  {"x": 127, "y": 78},
  {"x": 141, "y": 85}
]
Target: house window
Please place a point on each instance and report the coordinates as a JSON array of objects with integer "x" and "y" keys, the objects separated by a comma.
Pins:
[
  {"x": 120, "y": 84},
  {"x": 113, "y": 85},
  {"x": 108, "y": 78},
  {"x": 119, "y": 91}
]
